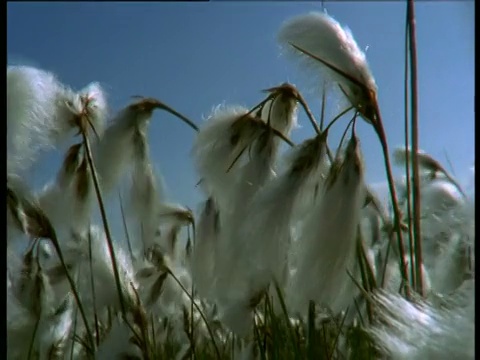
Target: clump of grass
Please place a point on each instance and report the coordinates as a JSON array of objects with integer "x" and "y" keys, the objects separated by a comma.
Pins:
[{"x": 279, "y": 263}]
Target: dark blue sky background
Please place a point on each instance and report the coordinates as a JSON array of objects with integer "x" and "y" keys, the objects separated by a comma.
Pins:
[{"x": 194, "y": 56}]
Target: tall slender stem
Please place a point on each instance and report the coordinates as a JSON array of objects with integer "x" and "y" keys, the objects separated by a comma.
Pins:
[
  {"x": 414, "y": 134},
  {"x": 407, "y": 169},
  {"x": 378, "y": 125},
  {"x": 207, "y": 325},
  {"x": 75, "y": 293},
  {"x": 103, "y": 213},
  {"x": 92, "y": 285}
]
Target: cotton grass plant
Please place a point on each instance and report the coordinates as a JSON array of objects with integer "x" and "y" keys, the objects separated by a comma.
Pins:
[{"x": 289, "y": 256}]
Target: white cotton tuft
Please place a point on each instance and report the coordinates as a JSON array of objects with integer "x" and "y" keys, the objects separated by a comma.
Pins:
[
  {"x": 120, "y": 145},
  {"x": 240, "y": 187},
  {"x": 253, "y": 175},
  {"x": 42, "y": 112},
  {"x": 173, "y": 297},
  {"x": 143, "y": 203},
  {"x": 60, "y": 203},
  {"x": 36, "y": 105},
  {"x": 439, "y": 196},
  {"x": 399, "y": 155},
  {"x": 266, "y": 237},
  {"x": 445, "y": 228},
  {"x": 249, "y": 180},
  {"x": 214, "y": 152},
  {"x": 449, "y": 265},
  {"x": 96, "y": 105},
  {"x": 308, "y": 160},
  {"x": 76, "y": 254},
  {"x": 423, "y": 330},
  {"x": 55, "y": 331},
  {"x": 204, "y": 251},
  {"x": 323, "y": 37},
  {"x": 393, "y": 276},
  {"x": 282, "y": 113},
  {"x": 430, "y": 169},
  {"x": 328, "y": 238},
  {"x": 259, "y": 167}
]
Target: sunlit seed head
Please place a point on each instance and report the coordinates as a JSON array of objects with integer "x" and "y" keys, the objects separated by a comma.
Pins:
[{"x": 331, "y": 47}]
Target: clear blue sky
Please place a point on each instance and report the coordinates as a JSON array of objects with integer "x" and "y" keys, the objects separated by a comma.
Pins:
[{"x": 194, "y": 56}]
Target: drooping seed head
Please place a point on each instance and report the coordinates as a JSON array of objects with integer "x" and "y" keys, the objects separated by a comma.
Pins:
[
  {"x": 332, "y": 47},
  {"x": 308, "y": 155},
  {"x": 427, "y": 163},
  {"x": 280, "y": 110},
  {"x": 146, "y": 106}
]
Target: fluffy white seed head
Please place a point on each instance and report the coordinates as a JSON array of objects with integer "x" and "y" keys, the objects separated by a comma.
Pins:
[
  {"x": 449, "y": 265},
  {"x": 94, "y": 103},
  {"x": 439, "y": 196},
  {"x": 61, "y": 205},
  {"x": 204, "y": 251},
  {"x": 145, "y": 197},
  {"x": 400, "y": 155},
  {"x": 281, "y": 111},
  {"x": 393, "y": 276},
  {"x": 265, "y": 237},
  {"x": 328, "y": 237},
  {"x": 214, "y": 152},
  {"x": 424, "y": 331},
  {"x": 35, "y": 99},
  {"x": 115, "y": 152},
  {"x": 323, "y": 37},
  {"x": 76, "y": 254},
  {"x": 41, "y": 112}
]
